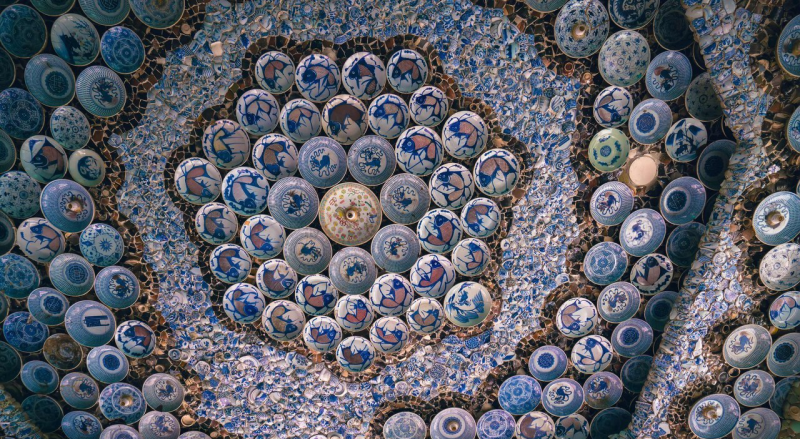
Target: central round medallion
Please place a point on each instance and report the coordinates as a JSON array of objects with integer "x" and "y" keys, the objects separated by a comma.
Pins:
[{"x": 350, "y": 214}]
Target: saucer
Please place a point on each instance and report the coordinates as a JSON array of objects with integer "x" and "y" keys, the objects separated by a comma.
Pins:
[
  {"x": 612, "y": 107},
  {"x": 158, "y": 15},
  {"x": 39, "y": 240},
  {"x": 84, "y": 41},
  {"x": 471, "y": 257},
  {"x": 62, "y": 352},
  {"x": 497, "y": 172},
  {"x": 787, "y": 48},
  {"x": 784, "y": 311},
  {"x": 419, "y": 150},
  {"x": 480, "y": 217},
  {"x": 364, "y": 75},
  {"x": 276, "y": 279},
  {"x": 159, "y": 425},
  {"x": 50, "y": 80},
  {"x": 406, "y": 71},
  {"x": 243, "y": 303},
  {"x": 464, "y": 135},
  {"x": 439, "y": 231},
  {"x": 668, "y": 75},
  {"x": 262, "y": 237},
  {"x": 352, "y": 270},
  {"x": 618, "y": 302},
  {"x": 451, "y": 186},
  {"x": 608, "y": 150},
  {"x": 70, "y": 128},
  {"x": 535, "y": 425},
  {"x": 429, "y": 106},
  {"x": 754, "y": 388},
  {"x": 576, "y": 317},
  {"x": 197, "y": 181},
  {"x": 395, "y": 247},
  {"x": 747, "y": 346},
  {"x": 642, "y": 232},
  {"x": 702, "y": 102},
  {"x": 624, "y": 57},
  {"x": 229, "y": 263},
  {"x": 48, "y": 306},
  {"x": 257, "y": 112},
  {"x": 573, "y": 426},
  {"x": 683, "y": 243},
  {"x": 19, "y": 195},
  {"x": 22, "y": 115},
  {"x": 519, "y": 394},
  {"x": 632, "y": 14},
  {"x": 350, "y": 214},
  {"x": 548, "y": 363},
  {"x": 683, "y": 200},
  {"x": 105, "y": 104},
  {"x": 714, "y": 416},
  {"x": 671, "y": 27},
  {"x": 123, "y": 402},
  {"x": 101, "y": 245},
  {"x": 344, "y": 119},
  {"x": 121, "y": 49},
  {"x": 453, "y": 423},
  {"x": 776, "y": 220},
  {"x": 405, "y": 198},
  {"x": 496, "y": 424},
  {"x": 67, "y": 205},
  {"x": 713, "y": 163},
  {"x": 610, "y": 422},
  {"x": 371, "y": 160},
  {"x": 652, "y": 273},
  {"x": 300, "y": 120},
  {"x": 684, "y": 139},
  {"x": 425, "y": 316},
  {"x": 107, "y": 364},
  {"x": 643, "y": 171},
  {"x": 216, "y": 223},
  {"x": 322, "y": 334},
  {"x": 24, "y": 333},
  {"x": 43, "y": 158},
  {"x": 591, "y": 354},
  {"x": 293, "y": 202},
  {"x": 8, "y": 151},
  {"x": 355, "y": 354},
  {"x": 79, "y": 390},
  {"x": 563, "y": 397},
  {"x": 581, "y": 28},
  {"x": 602, "y": 390},
  {"x": 779, "y": 269},
  {"x": 307, "y": 251},
  {"x": 245, "y": 191},
  {"x": 316, "y": 295},
  {"x": 226, "y": 144},
  {"x": 404, "y": 425},
  {"x": 322, "y": 162},
  {"x": 106, "y": 12},
  {"x": 117, "y": 287},
  {"x": 317, "y": 78},
  {"x": 275, "y": 72},
  {"x": 391, "y": 295},
  {"x": 758, "y": 423},
  {"x": 432, "y": 276},
  {"x": 467, "y": 304},
  {"x": 611, "y": 203},
  {"x": 90, "y": 323},
  {"x": 388, "y": 116},
  {"x": 631, "y": 338},
  {"x": 275, "y": 156},
  {"x": 135, "y": 339},
  {"x": 16, "y": 20},
  {"x": 389, "y": 335},
  {"x": 784, "y": 356},
  {"x": 605, "y": 263}
]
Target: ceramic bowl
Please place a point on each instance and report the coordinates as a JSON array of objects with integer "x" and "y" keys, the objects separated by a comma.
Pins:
[
  {"x": 53, "y": 8},
  {"x": 8, "y": 72},
  {"x": 50, "y": 80},
  {"x": 702, "y": 102},
  {"x": 25, "y": 276},
  {"x": 388, "y": 116},
  {"x": 470, "y": 257},
  {"x": 350, "y": 214},
  {"x": 610, "y": 422},
  {"x": 62, "y": 352},
  {"x": 519, "y": 394},
  {"x": 352, "y": 270},
  {"x": 714, "y": 416},
  {"x": 419, "y": 150},
  {"x": 117, "y": 287},
  {"x": 283, "y": 320},
  {"x": 632, "y": 338},
  {"x": 226, "y": 144},
  {"x": 308, "y": 251},
  {"x": 779, "y": 269},
  {"x": 496, "y": 172},
  {"x": 425, "y": 316},
  {"x": 229, "y": 263},
  {"x": 683, "y": 199},
  {"x": 464, "y": 135},
  {"x": 22, "y": 115},
  {"x": 496, "y": 424},
  {"x": 451, "y": 186},
  {"x": 433, "y": 276},
  {"x": 547, "y": 363},
  {"x": 293, "y": 202},
  {"x": 90, "y": 323},
  {"x": 43, "y": 158},
  {"x": 371, "y": 160},
  {"x": 106, "y": 13},
  {"x": 245, "y": 191},
  {"x": 135, "y": 339},
  {"x": 123, "y": 402},
  {"x": 106, "y": 104},
  {"x": 605, "y": 263},
  {"x": 102, "y": 245},
  {"x": 389, "y": 335},
  {"x": 19, "y": 195},
  {"x": 322, "y": 162},
  {"x": 317, "y": 78},
  {"x": 591, "y": 354},
  {"x": 776, "y": 220},
  {"x": 355, "y": 354},
  {"x": 22, "y": 20},
  {"x": 754, "y": 388},
  {"x": 576, "y": 317},
  {"x": 197, "y": 181},
  {"x": 429, "y": 106},
  {"x": 747, "y": 346},
  {"x": 611, "y": 203},
  {"x": 572, "y": 426},
  {"x": 618, "y": 302},
  {"x": 608, "y": 150},
  {"x": 759, "y": 423},
  {"x": 784, "y": 311},
  {"x": 79, "y": 390},
  {"x": 275, "y": 156},
  {"x": 562, "y": 397},
  {"x": 262, "y": 236},
  {"x": 404, "y": 198},
  {"x": 67, "y": 205},
  {"x": 70, "y": 128},
  {"x": 107, "y": 364},
  {"x": 39, "y": 377},
  {"x": 650, "y": 121},
  {"x": 439, "y": 231},
  {"x": 783, "y": 359},
  {"x": 391, "y": 295},
  {"x": 406, "y": 71},
  {"x": 480, "y": 217},
  {"x": 713, "y": 162},
  {"x": 48, "y": 306},
  {"x": 405, "y": 425},
  {"x": 624, "y": 57},
  {"x": 276, "y": 279},
  {"x": 158, "y": 15},
  {"x": 122, "y": 49},
  {"x": 642, "y": 232},
  {"x": 632, "y": 15},
  {"x": 612, "y": 107},
  {"x": 395, "y": 248},
  {"x": 322, "y": 334},
  {"x": 87, "y": 168},
  {"x": 257, "y": 112},
  {"x": 364, "y": 75},
  {"x": 652, "y": 273},
  {"x": 316, "y": 295},
  {"x": 683, "y": 243},
  {"x": 602, "y": 390},
  {"x": 453, "y": 423},
  {"x": 159, "y": 425},
  {"x": 8, "y": 151},
  {"x": 684, "y": 139},
  {"x": 44, "y": 412},
  {"x": 467, "y": 304},
  {"x": 668, "y": 75},
  {"x": 793, "y": 130},
  {"x": 581, "y": 27},
  {"x": 216, "y": 223},
  {"x": 39, "y": 240},
  {"x": 344, "y": 119},
  {"x": 786, "y": 48},
  {"x": 24, "y": 333},
  {"x": 163, "y": 392},
  {"x": 275, "y": 72},
  {"x": 671, "y": 27}
]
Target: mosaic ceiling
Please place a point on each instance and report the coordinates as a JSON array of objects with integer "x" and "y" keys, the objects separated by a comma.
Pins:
[{"x": 541, "y": 219}]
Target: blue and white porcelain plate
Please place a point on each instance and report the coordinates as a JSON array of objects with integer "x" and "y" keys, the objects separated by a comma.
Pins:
[
  {"x": 117, "y": 287},
  {"x": 388, "y": 115},
  {"x": 683, "y": 199},
  {"x": 19, "y": 195},
  {"x": 75, "y": 39},
  {"x": 22, "y": 31},
  {"x": 121, "y": 48},
  {"x": 581, "y": 27},
  {"x": 371, "y": 160},
  {"x": 135, "y": 339},
  {"x": 714, "y": 416},
  {"x": 107, "y": 364},
  {"x": 605, "y": 263},
  {"x": 24, "y": 333},
  {"x": 776, "y": 220},
  {"x": 122, "y": 401},
  {"x": 787, "y": 45},
  {"x": 611, "y": 203},
  {"x": 632, "y": 338},
  {"x": 612, "y": 107},
  {"x": 602, "y": 390},
  {"x": 102, "y": 245},
  {"x": 344, "y": 119},
  {"x": 322, "y": 162},
  {"x": 87, "y": 167},
  {"x": 652, "y": 274},
  {"x": 548, "y": 363},
  {"x": 355, "y": 354},
  {"x": 610, "y": 422},
  {"x": 44, "y": 412},
  {"x": 50, "y": 80},
  {"x": 747, "y": 346},
  {"x": 591, "y": 354},
  {"x": 671, "y": 28},
  {"x": 783, "y": 359},
  {"x": 535, "y": 425},
  {"x": 257, "y": 112},
  {"x": 8, "y": 152},
  {"x": 316, "y": 295},
  {"x": 465, "y": 135},
  {"x": 163, "y": 392},
  {"x": 81, "y": 425},
  {"x": 658, "y": 309},
  {"x": 391, "y": 295},
  {"x": 90, "y": 323},
  {"x": 496, "y": 424},
  {"x": 467, "y": 304},
  {"x": 39, "y": 240},
  {"x": 624, "y": 58},
  {"x": 713, "y": 162},
  {"x": 480, "y": 217},
  {"x": 43, "y": 158},
  {"x": 389, "y": 335},
  {"x": 784, "y": 311},
  {"x": 293, "y": 202},
  {"x": 439, "y": 231},
  {"x": 429, "y": 106},
  {"x": 451, "y": 186},
  {"x": 793, "y": 130},
  {"x": 18, "y": 276},
  {"x": 608, "y": 150},
  {"x": 780, "y": 267},
  {"x": 322, "y": 334},
  {"x": 754, "y": 388},
  {"x": 758, "y": 423},
  {"x": 405, "y": 425},
  {"x": 53, "y": 8},
  {"x": 642, "y": 232},
  {"x": 572, "y": 426},
  {"x": 650, "y": 121},
  {"x": 683, "y": 243},
  {"x": 275, "y": 156},
  {"x": 226, "y": 144},
  {"x": 576, "y": 317},
  {"x": 70, "y": 128},
  {"x": 275, "y": 72},
  {"x": 216, "y": 223},
  {"x": 668, "y": 75},
  {"x": 395, "y": 248},
  {"x": 245, "y": 191},
  {"x": 618, "y": 302},
  {"x": 106, "y": 12},
  {"x": 406, "y": 71},
  {"x": 67, "y": 205},
  {"x": 79, "y": 390},
  {"x": 276, "y": 279},
  {"x": 632, "y": 14},
  {"x": 48, "y": 306},
  {"x": 471, "y": 257},
  {"x": 563, "y": 397},
  {"x": 229, "y": 263},
  {"x": 685, "y": 138},
  {"x": 158, "y": 14},
  {"x": 100, "y": 91},
  {"x": 497, "y": 172},
  {"x": 425, "y": 315},
  {"x": 519, "y": 394},
  {"x": 71, "y": 274},
  {"x": 702, "y": 102},
  {"x": 433, "y": 276},
  {"x": 419, "y": 151},
  {"x": 308, "y": 251},
  {"x": 453, "y": 423},
  {"x": 317, "y": 77},
  {"x": 12, "y": 362},
  {"x": 352, "y": 270},
  {"x": 197, "y": 181},
  {"x": 364, "y": 75},
  {"x": 404, "y": 198},
  {"x": 243, "y": 303},
  {"x": 262, "y": 236},
  {"x": 21, "y": 115}
]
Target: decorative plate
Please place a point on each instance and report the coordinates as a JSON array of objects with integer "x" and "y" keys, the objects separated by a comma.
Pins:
[
  {"x": 572, "y": 426},
  {"x": 406, "y": 71},
  {"x": 24, "y": 333},
  {"x": 50, "y": 80},
  {"x": 652, "y": 274},
  {"x": 754, "y": 388},
  {"x": 275, "y": 72},
  {"x": 102, "y": 245},
  {"x": 293, "y": 202},
  {"x": 784, "y": 311},
  {"x": 713, "y": 163},
  {"x": 453, "y": 423},
  {"x": 632, "y": 14},
  {"x": 100, "y": 91},
  {"x": 226, "y": 144},
  {"x": 788, "y": 48},
  {"x": 395, "y": 248},
  {"x": 121, "y": 48},
  {"x": 535, "y": 425},
  {"x": 322, "y": 334},
  {"x": 429, "y": 106},
  {"x": 18, "y": 276},
  {"x": 631, "y": 338},
  {"x": 642, "y": 232},
  {"x": 391, "y": 295},
  {"x": 650, "y": 121},
  {"x": 71, "y": 274},
  {"x": 322, "y": 162},
  {"x": 317, "y": 77},
  {"x": 605, "y": 263},
  {"x": 439, "y": 231},
  {"x": 784, "y": 355},
  {"x": 419, "y": 151},
  {"x": 714, "y": 416},
  {"x": 780, "y": 267},
  {"x": 8, "y": 72},
  {"x": 43, "y": 158},
  {"x": 75, "y": 39},
  {"x": 117, "y": 287},
  {"x": 618, "y": 302},
  {"x": 608, "y": 150},
  {"x": 388, "y": 116},
  {"x": 344, "y": 119},
  {"x": 683, "y": 199},
  {"x": 158, "y": 14},
  {"x": 275, "y": 156},
  {"x": 19, "y": 195},
  {"x": 433, "y": 276},
  {"x": 702, "y": 102},
  {"x": 389, "y": 335},
  {"x": 758, "y": 423},
  {"x": 135, "y": 339},
  {"x": 683, "y": 243},
  {"x": 316, "y": 295},
  {"x": 612, "y": 107},
  {"x": 107, "y": 364},
  {"x": 48, "y": 306},
  {"x": 563, "y": 396},
  {"x": 590, "y": 354},
  {"x": 229, "y": 263},
  {"x": 576, "y": 317},
  {"x": 364, "y": 75},
  {"x": 67, "y": 205},
  {"x": 624, "y": 58},
  {"x": 519, "y": 394},
  {"x": 355, "y": 354},
  {"x": 21, "y": 115},
  {"x": 747, "y": 346},
  {"x": 308, "y": 251},
  {"x": 405, "y": 198},
  {"x": 581, "y": 27},
  {"x": 793, "y": 130},
  {"x": 122, "y": 401},
  {"x": 404, "y": 425},
  {"x": 371, "y": 160},
  {"x": 276, "y": 279},
  {"x": 90, "y": 323},
  {"x": 106, "y": 12},
  {"x": 22, "y": 31},
  {"x": 602, "y": 390},
  {"x": 352, "y": 270},
  {"x": 497, "y": 172},
  {"x": 548, "y": 363},
  {"x": 658, "y": 309},
  {"x": 496, "y": 424},
  {"x": 467, "y": 304},
  {"x": 776, "y": 220},
  {"x": 79, "y": 390},
  {"x": 670, "y": 26},
  {"x": 52, "y": 8},
  {"x": 668, "y": 75},
  {"x": 39, "y": 240},
  {"x": 611, "y": 203},
  {"x": 610, "y": 422},
  {"x": 70, "y": 128},
  {"x": 349, "y": 213},
  {"x": 464, "y": 135},
  {"x": 245, "y": 191},
  {"x": 425, "y": 315}
]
